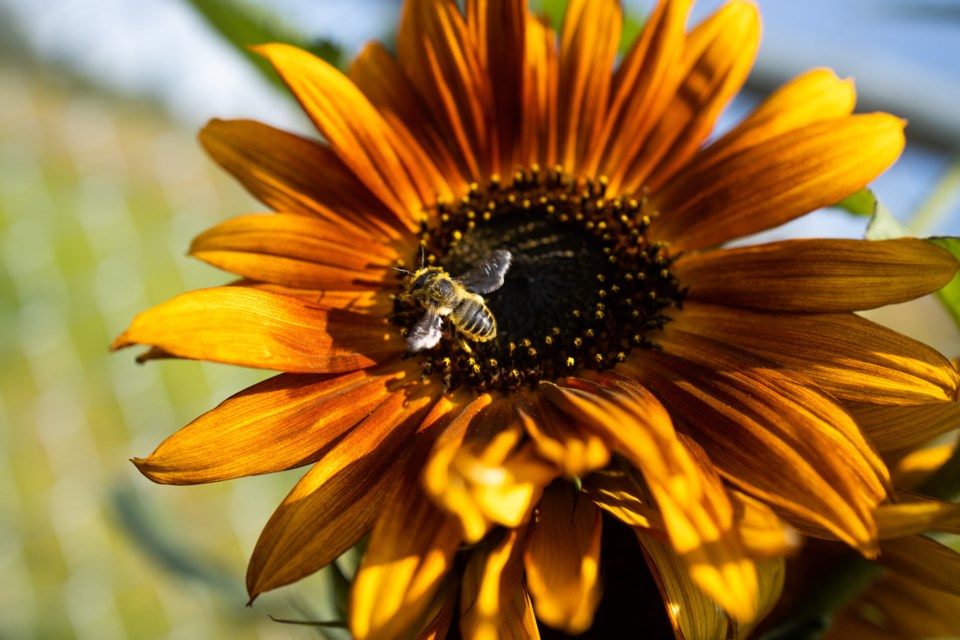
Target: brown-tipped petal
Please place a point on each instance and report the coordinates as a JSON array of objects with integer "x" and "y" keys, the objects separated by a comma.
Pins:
[
  {"x": 643, "y": 86},
  {"x": 410, "y": 551},
  {"x": 895, "y": 428},
  {"x": 434, "y": 49},
  {"x": 388, "y": 87},
  {"x": 820, "y": 275},
  {"x": 364, "y": 141},
  {"x": 336, "y": 502},
  {"x": 716, "y": 60},
  {"x": 762, "y": 532},
  {"x": 296, "y": 251},
  {"x": 498, "y": 30},
  {"x": 770, "y": 434},
  {"x": 915, "y": 513},
  {"x": 588, "y": 48},
  {"x": 538, "y": 131},
  {"x": 559, "y": 440},
  {"x": 480, "y": 471},
  {"x": 621, "y": 495},
  {"x": 253, "y": 328},
  {"x": 293, "y": 417},
  {"x": 923, "y": 560},
  {"x": 290, "y": 173},
  {"x": 696, "y": 513},
  {"x": 775, "y": 181},
  {"x": 494, "y": 604},
  {"x": 562, "y": 559},
  {"x": 812, "y": 97},
  {"x": 847, "y": 356}
]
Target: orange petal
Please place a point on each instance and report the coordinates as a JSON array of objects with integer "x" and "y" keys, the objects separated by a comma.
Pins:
[
  {"x": 697, "y": 516},
  {"x": 498, "y": 30},
  {"x": 480, "y": 472},
  {"x": 371, "y": 303},
  {"x": 775, "y": 181},
  {"x": 410, "y": 551},
  {"x": 588, "y": 48},
  {"x": 559, "y": 440},
  {"x": 281, "y": 423},
  {"x": 895, "y": 428},
  {"x": 845, "y": 355},
  {"x": 817, "y": 275},
  {"x": 388, "y": 87},
  {"x": 336, "y": 502},
  {"x": 762, "y": 532},
  {"x": 562, "y": 559},
  {"x": 771, "y": 435},
  {"x": 923, "y": 560},
  {"x": 296, "y": 251},
  {"x": 290, "y": 173},
  {"x": 812, "y": 97},
  {"x": 433, "y": 47},
  {"x": 716, "y": 61},
  {"x": 494, "y": 604},
  {"x": 389, "y": 167},
  {"x": 643, "y": 86},
  {"x": 254, "y": 328},
  {"x": 538, "y": 131}
]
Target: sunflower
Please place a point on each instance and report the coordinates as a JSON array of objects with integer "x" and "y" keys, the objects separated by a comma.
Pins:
[{"x": 642, "y": 377}]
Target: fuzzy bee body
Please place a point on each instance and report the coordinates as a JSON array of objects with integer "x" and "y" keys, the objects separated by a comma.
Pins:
[{"x": 458, "y": 299}]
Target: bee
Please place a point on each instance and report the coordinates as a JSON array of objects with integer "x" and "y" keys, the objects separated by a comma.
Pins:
[{"x": 457, "y": 298}]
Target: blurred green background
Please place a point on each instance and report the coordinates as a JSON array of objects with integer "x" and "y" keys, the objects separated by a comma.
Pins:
[{"x": 102, "y": 187}]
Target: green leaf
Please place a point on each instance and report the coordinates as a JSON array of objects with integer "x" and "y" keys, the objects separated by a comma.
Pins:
[
  {"x": 861, "y": 203},
  {"x": 950, "y": 294},
  {"x": 242, "y": 25},
  {"x": 554, "y": 10}
]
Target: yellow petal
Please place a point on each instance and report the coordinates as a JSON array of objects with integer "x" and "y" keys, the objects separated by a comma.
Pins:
[
  {"x": 254, "y": 328},
  {"x": 817, "y": 275},
  {"x": 915, "y": 514},
  {"x": 296, "y": 251},
  {"x": 845, "y": 355},
  {"x": 562, "y": 560},
  {"x": 762, "y": 532},
  {"x": 336, "y": 502},
  {"x": 295, "y": 418},
  {"x": 290, "y": 173},
  {"x": 480, "y": 471},
  {"x": 697, "y": 516},
  {"x": 775, "y": 181},
  {"x": 915, "y": 467},
  {"x": 410, "y": 551},
  {"x": 494, "y": 605},
  {"x": 559, "y": 440}
]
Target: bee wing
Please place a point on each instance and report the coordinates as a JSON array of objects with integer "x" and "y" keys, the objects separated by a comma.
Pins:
[
  {"x": 426, "y": 333},
  {"x": 488, "y": 274}
]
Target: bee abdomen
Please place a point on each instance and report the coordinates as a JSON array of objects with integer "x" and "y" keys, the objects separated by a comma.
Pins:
[{"x": 475, "y": 320}]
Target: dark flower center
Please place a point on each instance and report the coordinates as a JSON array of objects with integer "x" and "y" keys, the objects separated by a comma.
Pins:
[{"x": 584, "y": 288}]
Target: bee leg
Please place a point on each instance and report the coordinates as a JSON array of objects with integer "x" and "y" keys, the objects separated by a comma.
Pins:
[
  {"x": 464, "y": 345},
  {"x": 447, "y": 380}
]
